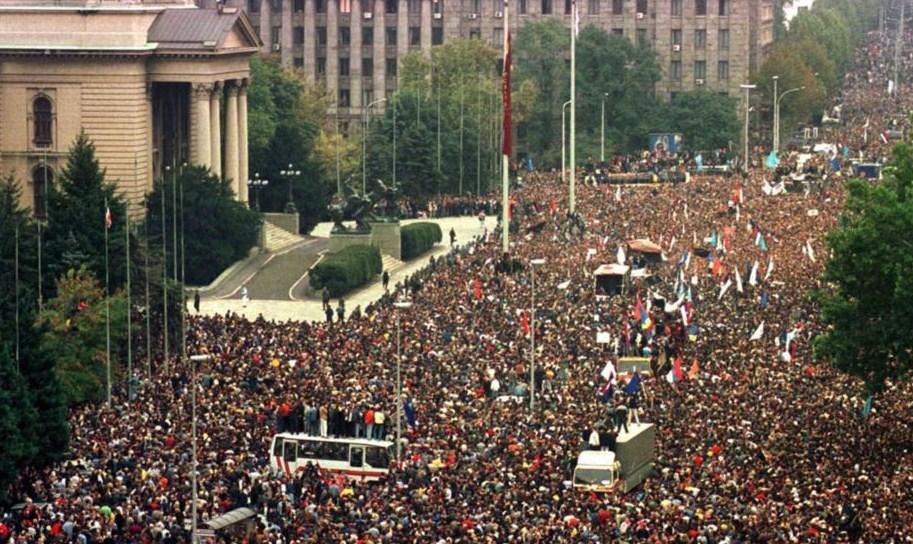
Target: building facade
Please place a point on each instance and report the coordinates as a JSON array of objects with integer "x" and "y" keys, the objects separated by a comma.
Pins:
[
  {"x": 154, "y": 86},
  {"x": 353, "y": 46}
]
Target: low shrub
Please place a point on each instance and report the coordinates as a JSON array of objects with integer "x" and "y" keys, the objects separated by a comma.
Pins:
[
  {"x": 347, "y": 269},
  {"x": 418, "y": 238}
]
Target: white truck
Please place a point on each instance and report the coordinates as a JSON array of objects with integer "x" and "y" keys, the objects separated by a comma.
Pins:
[{"x": 622, "y": 469}]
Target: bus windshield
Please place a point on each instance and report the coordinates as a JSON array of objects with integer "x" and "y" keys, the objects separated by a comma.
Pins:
[
  {"x": 377, "y": 457},
  {"x": 587, "y": 476}
]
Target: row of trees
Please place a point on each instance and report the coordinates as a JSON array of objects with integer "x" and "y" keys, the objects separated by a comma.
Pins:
[
  {"x": 814, "y": 52},
  {"x": 59, "y": 308}
]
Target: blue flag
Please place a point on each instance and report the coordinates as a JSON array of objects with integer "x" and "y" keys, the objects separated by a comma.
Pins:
[
  {"x": 867, "y": 409},
  {"x": 764, "y": 299},
  {"x": 762, "y": 243},
  {"x": 633, "y": 386},
  {"x": 772, "y": 160},
  {"x": 409, "y": 409},
  {"x": 699, "y": 160},
  {"x": 835, "y": 165}
]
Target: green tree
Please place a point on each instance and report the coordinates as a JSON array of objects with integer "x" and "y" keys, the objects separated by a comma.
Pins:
[
  {"x": 75, "y": 234},
  {"x": 75, "y": 336},
  {"x": 17, "y": 422},
  {"x": 217, "y": 229},
  {"x": 787, "y": 63},
  {"x": 705, "y": 120},
  {"x": 285, "y": 113},
  {"x": 868, "y": 302},
  {"x": 16, "y": 229}
]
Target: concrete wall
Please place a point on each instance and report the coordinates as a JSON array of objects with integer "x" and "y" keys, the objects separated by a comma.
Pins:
[{"x": 285, "y": 221}]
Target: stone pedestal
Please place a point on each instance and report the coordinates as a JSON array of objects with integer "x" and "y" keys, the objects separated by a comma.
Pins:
[
  {"x": 386, "y": 237},
  {"x": 342, "y": 240}
]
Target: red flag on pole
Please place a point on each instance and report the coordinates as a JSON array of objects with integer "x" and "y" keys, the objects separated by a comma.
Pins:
[
  {"x": 524, "y": 322},
  {"x": 506, "y": 146},
  {"x": 108, "y": 219},
  {"x": 478, "y": 289}
]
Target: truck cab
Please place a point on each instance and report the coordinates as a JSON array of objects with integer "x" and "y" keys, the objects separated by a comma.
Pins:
[{"x": 622, "y": 469}]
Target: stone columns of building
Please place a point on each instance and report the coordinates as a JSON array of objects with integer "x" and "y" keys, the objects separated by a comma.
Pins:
[
  {"x": 150, "y": 140},
  {"x": 202, "y": 139},
  {"x": 232, "y": 170},
  {"x": 243, "y": 171},
  {"x": 285, "y": 34},
  {"x": 426, "y": 27},
  {"x": 310, "y": 41},
  {"x": 355, "y": 56},
  {"x": 266, "y": 26},
  {"x": 380, "y": 49},
  {"x": 215, "y": 130},
  {"x": 332, "y": 50}
]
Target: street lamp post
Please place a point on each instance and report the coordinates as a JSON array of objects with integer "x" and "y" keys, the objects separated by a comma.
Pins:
[
  {"x": 402, "y": 305},
  {"x": 563, "y": 109},
  {"x": 532, "y": 333},
  {"x": 364, "y": 143},
  {"x": 748, "y": 88},
  {"x": 256, "y": 183},
  {"x": 602, "y": 130},
  {"x": 194, "y": 359},
  {"x": 290, "y": 173},
  {"x": 778, "y": 101}
]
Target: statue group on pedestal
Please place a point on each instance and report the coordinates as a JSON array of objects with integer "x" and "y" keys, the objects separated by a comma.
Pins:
[{"x": 381, "y": 205}]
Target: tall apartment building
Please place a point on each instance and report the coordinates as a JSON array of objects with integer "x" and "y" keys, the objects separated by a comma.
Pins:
[{"x": 353, "y": 46}]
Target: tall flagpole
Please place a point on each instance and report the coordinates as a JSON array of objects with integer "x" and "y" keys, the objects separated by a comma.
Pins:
[
  {"x": 505, "y": 135},
  {"x": 165, "y": 277},
  {"x": 107, "y": 304},
  {"x": 183, "y": 280},
  {"x": 129, "y": 299},
  {"x": 148, "y": 306},
  {"x": 572, "y": 196}
]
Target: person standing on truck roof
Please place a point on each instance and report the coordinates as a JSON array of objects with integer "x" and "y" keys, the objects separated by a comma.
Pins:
[
  {"x": 621, "y": 414},
  {"x": 593, "y": 441}
]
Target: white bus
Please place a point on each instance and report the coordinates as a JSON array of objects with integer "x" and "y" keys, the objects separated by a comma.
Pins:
[{"x": 358, "y": 458}]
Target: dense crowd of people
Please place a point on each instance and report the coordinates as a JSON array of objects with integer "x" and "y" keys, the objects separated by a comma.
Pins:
[{"x": 756, "y": 441}]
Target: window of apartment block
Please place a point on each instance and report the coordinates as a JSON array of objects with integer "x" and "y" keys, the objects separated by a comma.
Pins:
[
  {"x": 724, "y": 39},
  {"x": 253, "y": 6},
  {"x": 618, "y": 31},
  {"x": 567, "y": 7},
  {"x": 367, "y": 6},
  {"x": 276, "y": 5},
  {"x": 299, "y": 6},
  {"x": 320, "y": 6},
  {"x": 298, "y": 35},
  {"x": 274, "y": 35},
  {"x": 437, "y": 35},
  {"x": 677, "y": 8},
  {"x": 677, "y": 37},
  {"x": 593, "y": 7},
  {"x": 367, "y": 66},
  {"x": 475, "y": 33},
  {"x": 321, "y": 66},
  {"x": 700, "y": 38},
  {"x": 641, "y": 36},
  {"x": 437, "y": 6},
  {"x": 391, "y": 36},
  {"x": 724, "y": 7},
  {"x": 546, "y": 7},
  {"x": 390, "y": 6},
  {"x": 344, "y": 128},
  {"x": 700, "y": 69},
  {"x": 368, "y": 95},
  {"x": 700, "y": 7},
  {"x": 722, "y": 69},
  {"x": 476, "y": 6},
  {"x": 344, "y": 66},
  {"x": 345, "y": 6},
  {"x": 321, "y": 35},
  {"x": 618, "y": 7},
  {"x": 391, "y": 67},
  {"x": 641, "y": 6},
  {"x": 676, "y": 70},
  {"x": 343, "y": 98},
  {"x": 345, "y": 36},
  {"x": 367, "y": 35},
  {"x": 497, "y": 37},
  {"x": 415, "y": 36},
  {"x": 521, "y": 7},
  {"x": 415, "y": 7},
  {"x": 299, "y": 62}
]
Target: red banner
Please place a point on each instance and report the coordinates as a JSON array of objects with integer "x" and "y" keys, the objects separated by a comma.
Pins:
[{"x": 506, "y": 146}]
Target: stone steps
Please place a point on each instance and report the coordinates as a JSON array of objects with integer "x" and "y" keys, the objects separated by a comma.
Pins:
[
  {"x": 277, "y": 239},
  {"x": 390, "y": 264}
]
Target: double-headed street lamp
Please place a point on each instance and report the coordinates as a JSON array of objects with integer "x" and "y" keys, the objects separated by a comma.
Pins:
[
  {"x": 256, "y": 183},
  {"x": 602, "y": 130},
  {"x": 290, "y": 173},
  {"x": 364, "y": 143},
  {"x": 400, "y": 306},
  {"x": 194, "y": 359},
  {"x": 748, "y": 88},
  {"x": 532, "y": 333},
  {"x": 778, "y": 101}
]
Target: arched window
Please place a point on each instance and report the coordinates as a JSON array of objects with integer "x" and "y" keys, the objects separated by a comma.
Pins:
[
  {"x": 43, "y": 117},
  {"x": 42, "y": 178}
]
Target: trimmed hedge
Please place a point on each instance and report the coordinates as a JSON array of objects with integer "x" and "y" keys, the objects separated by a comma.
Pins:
[
  {"x": 343, "y": 271},
  {"x": 418, "y": 238}
]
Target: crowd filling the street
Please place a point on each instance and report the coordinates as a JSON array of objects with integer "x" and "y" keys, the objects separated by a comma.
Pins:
[{"x": 755, "y": 440}]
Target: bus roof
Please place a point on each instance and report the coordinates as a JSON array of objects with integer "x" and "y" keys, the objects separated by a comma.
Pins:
[
  {"x": 356, "y": 441},
  {"x": 596, "y": 459}
]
